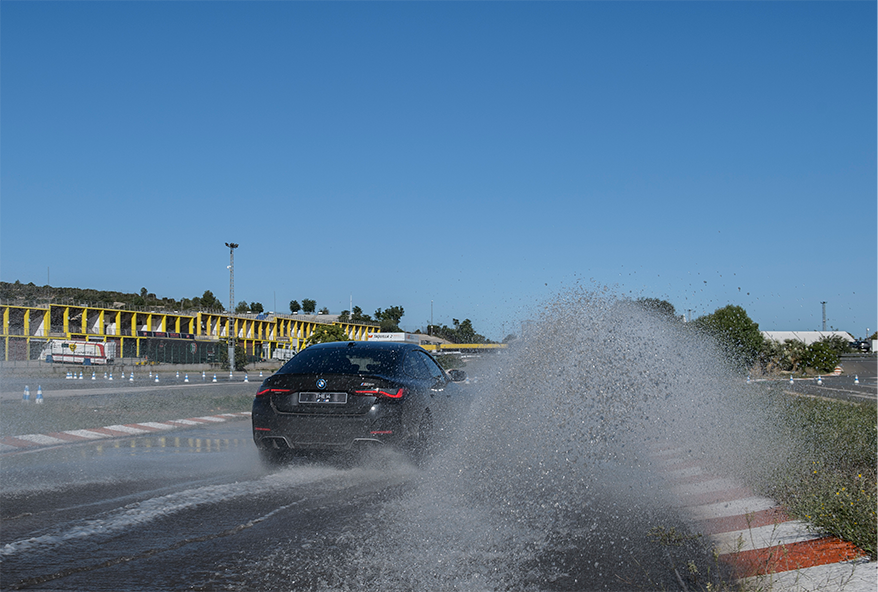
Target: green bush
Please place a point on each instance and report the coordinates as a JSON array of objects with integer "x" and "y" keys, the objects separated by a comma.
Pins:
[{"x": 821, "y": 356}]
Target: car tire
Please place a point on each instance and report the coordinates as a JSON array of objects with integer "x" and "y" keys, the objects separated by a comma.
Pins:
[
  {"x": 273, "y": 457},
  {"x": 421, "y": 443}
]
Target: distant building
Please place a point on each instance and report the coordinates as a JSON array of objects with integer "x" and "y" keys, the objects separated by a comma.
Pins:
[{"x": 806, "y": 337}]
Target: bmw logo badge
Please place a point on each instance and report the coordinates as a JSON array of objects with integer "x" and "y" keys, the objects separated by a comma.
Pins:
[{"x": 321, "y": 383}]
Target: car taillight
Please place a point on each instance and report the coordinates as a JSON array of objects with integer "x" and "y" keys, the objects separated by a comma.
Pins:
[
  {"x": 381, "y": 393},
  {"x": 270, "y": 391}
]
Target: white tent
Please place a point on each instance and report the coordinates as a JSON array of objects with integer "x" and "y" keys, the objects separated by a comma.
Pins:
[{"x": 806, "y": 337}]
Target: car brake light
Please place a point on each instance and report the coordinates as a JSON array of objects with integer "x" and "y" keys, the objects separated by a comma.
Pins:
[
  {"x": 269, "y": 391},
  {"x": 382, "y": 393}
]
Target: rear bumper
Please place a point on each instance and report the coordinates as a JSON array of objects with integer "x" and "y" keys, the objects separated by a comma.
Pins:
[{"x": 285, "y": 431}]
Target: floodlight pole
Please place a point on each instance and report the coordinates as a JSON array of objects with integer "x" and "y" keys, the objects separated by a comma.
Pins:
[
  {"x": 824, "y": 314},
  {"x": 232, "y": 247}
]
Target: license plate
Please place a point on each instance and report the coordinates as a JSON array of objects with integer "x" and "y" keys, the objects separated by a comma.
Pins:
[{"x": 332, "y": 398}]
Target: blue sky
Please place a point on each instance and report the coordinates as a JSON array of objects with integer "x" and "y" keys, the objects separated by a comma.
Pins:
[{"x": 485, "y": 157}]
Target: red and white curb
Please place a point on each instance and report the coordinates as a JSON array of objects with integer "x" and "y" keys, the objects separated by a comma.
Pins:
[
  {"x": 30, "y": 441},
  {"x": 755, "y": 538}
]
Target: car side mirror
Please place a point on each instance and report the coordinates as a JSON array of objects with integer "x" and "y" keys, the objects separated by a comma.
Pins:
[{"x": 457, "y": 375}]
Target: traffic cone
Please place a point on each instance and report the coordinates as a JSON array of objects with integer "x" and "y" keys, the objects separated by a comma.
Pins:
[
  {"x": 791, "y": 379},
  {"x": 819, "y": 380},
  {"x": 68, "y": 375},
  {"x": 186, "y": 379},
  {"x": 214, "y": 378},
  {"x": 131, "y": 376},
  {"x": 156, "y": 376},
  {"x": 26, "y": 397},
  {"x": 111, "y": 376},
  {"x": 203, "y": 375},
  {"x": 105, "y": 375},
  {"x": 856, "y": 379},
  {"x": 260, "y": 374},
  {"x": 93, "y": 376},
  {"x": 39, "y": 395},
  {"x": 178, "y": 375},
  {"x": 80, "y": 375},
  {"x": 748, "y": 379},
  {"x": 246, "y": 378}
]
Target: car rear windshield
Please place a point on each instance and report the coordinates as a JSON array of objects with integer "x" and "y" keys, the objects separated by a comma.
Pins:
[{"x": 344, "y": 361}]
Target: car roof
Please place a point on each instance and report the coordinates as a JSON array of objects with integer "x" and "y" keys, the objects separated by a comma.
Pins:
[{"x": 366, "y": 345}]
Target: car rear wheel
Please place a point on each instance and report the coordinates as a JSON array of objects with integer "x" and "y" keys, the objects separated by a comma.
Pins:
[
  {"x": 273, "y": 456},
  {"x": 420, "y": 448}
]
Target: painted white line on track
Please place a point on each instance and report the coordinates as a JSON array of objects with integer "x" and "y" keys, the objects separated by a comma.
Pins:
[
  {"x": 846, "y": 576},
  {"x": 709, "y": 486},
  {"x": 687, "y": 472},
  {"x": 211, "y": 418},
  {"x": 41, "y": 439},
  {"x": 739, "y": 507},
  {"x": 761, "y": 537},
  {"x": 127, "y": 429},
  {"x": 156, "y": 425},
  {"x": 187, "y": 422},
  {"x": 87, "y": 434}
]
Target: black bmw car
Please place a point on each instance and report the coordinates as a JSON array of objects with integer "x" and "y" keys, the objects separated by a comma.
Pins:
[{"x": 335, "y": 396}]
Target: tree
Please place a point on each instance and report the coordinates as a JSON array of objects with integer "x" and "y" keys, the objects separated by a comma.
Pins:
[
  {"x": 209, "y": 301},
  {"x": 324, "y": 310},
  {"x": 309, "y": 306},
  {"x": 344, "y": 316},
  {"x": 256, "y": 307},
  {"x": 735, "y": 332},
  {"x": 357, "y": 316},
  {"x": 295, "y": 306},
  {"x": 462, "y": 332},
  {"x": 240, "y": 357},
  {"x": 662, "y": 307},
  {"x": 327, "y": 333},
  {"x": 389, "y": 319},
  {"x": 242, "y": 307}
]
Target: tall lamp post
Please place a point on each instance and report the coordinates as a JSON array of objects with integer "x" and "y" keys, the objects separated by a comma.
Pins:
[{"x": 232, "y": 247}]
